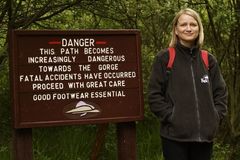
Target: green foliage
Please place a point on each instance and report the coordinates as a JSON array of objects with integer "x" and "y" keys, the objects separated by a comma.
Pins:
[
  {"x": 61, "y": 143},
  {"x": 4, "y": 105},
  {"x": 148, "y": 140},
  {"x": 5, "y": 125},
  {"x": 221, "y": 151},
  {"x": 221, "y": 22},
  {"x": 75, "y": 143},
  {"x": 109, "y": 149}
]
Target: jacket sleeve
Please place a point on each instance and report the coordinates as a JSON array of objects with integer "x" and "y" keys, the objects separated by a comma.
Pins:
[
  {"x": 157, "y": 101},
  {"x": 219, "y": 89}
]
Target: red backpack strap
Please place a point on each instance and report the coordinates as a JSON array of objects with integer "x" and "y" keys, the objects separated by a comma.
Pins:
[
  {"x": 172, "y": 54},
  {"x": 204, "y": 55}
]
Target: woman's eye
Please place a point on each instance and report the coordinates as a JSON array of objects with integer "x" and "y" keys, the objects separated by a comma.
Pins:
[
  {"x": 186, "y": 24},
  {"x": 183, "y": 24},
  {"x": 193, "y": 24}
]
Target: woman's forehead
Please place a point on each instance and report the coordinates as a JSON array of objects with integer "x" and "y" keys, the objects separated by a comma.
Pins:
[{"x": 186, "y": 17}]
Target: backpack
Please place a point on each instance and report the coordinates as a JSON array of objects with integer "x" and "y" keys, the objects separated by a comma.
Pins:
[{"x": 172, "y": 53}]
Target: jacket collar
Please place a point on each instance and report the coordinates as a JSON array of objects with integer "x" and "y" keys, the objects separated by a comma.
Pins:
[{"x": 186, "y": 50}]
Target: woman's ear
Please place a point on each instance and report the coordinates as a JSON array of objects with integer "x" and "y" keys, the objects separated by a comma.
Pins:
[{"x": 176, "y": 31}]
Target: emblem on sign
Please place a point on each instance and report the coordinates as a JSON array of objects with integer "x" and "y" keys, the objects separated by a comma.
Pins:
[{"x": 81, "y": 109}]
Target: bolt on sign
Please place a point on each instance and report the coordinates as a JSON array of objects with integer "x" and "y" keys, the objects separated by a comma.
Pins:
[{"x": 75, "y": 77}]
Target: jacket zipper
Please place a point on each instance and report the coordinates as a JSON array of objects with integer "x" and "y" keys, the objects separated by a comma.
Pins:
[{"x": 196, "y": 99}]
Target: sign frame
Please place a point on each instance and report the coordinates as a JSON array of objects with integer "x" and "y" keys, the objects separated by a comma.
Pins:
[{"x": 15, "y": 84}]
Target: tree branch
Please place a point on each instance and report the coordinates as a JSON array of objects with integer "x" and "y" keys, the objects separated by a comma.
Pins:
[
  {"x": 68, "y": 5},
  {"x": 37, "y": 16},
  {"x": 4, "y": 12}
]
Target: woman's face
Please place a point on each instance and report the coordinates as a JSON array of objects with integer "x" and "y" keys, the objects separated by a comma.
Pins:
[{"x": 187, "y": 30}]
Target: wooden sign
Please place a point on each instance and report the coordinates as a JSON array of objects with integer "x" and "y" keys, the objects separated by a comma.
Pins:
[{"x": 75, "y": 77}]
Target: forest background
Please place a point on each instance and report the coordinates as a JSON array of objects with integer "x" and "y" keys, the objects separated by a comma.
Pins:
[{"x": 221, "y": 20}]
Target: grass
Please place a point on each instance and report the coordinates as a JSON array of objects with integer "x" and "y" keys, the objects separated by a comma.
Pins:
[
  {"x": 148, "y": 140},
  {"x": 61, "y": 143},
  {"x": 76, "y": 143}
]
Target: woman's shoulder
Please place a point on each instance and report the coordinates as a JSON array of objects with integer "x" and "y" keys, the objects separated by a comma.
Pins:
[
  {"x": 211, "y": 57},
  {"x": 212, "y": 60},
  {"x": 163, "y": 54}
]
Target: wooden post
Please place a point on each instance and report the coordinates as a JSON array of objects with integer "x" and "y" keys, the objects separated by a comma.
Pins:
[
  {"x": 99, "y": 142},
  {"x": 126, "y": 133},
  {"x": 22, "y": 144}
]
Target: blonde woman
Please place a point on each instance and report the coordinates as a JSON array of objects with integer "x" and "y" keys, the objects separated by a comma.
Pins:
[{"x": 190, "y": 99}]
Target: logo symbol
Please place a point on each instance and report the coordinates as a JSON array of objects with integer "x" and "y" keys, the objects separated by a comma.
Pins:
[
  {"x": 82, "y": 108},
  {"x": 205, "y": 79}
]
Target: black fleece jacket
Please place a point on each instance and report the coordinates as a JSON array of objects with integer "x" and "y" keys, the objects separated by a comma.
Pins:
[{"x": 195, "y": 100}]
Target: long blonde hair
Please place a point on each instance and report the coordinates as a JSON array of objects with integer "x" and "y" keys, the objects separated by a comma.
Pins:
[{"x": 195, "y": 15}]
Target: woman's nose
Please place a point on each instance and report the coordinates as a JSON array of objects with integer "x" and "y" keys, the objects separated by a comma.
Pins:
[{"x": 188, "y": 28}]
